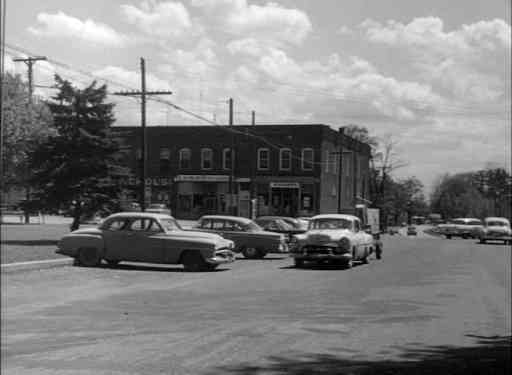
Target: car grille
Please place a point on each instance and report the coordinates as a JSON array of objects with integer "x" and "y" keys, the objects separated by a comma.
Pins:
[
  {"x": 319, "y": 238},
  {"x": 321, "y": 250}
]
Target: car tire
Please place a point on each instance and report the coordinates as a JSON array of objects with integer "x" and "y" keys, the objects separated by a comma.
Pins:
[
  {"x": 378, "y": 252},
  {"x": 448, "y": 237},
  {"x": 299, "y": 263},
  {"x": 89, "y": 257},
  {"x": 348, "y": 264},
  {"x": 252, "y": 253},
  {"x": 112, "y": 263},
  {"x": 482, "y": 240},
  {"x": 193, "y": 262}
]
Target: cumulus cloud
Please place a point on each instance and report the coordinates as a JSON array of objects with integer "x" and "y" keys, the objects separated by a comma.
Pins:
[
  {"x": 165, "y": 19},
  {"x": 60, "y": 25},
  {"x": 470, "y": 63},
  {"x": 131, "y": 78},
  {"x": 344, "y": 30},
  {"x": 271, "y": 22}
]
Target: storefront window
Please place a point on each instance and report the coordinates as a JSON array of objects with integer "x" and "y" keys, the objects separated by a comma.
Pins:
[{"x": 226, "y": 158}]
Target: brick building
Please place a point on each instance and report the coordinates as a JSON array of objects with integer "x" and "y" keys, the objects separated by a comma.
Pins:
[{"x": 283, "y": 169}]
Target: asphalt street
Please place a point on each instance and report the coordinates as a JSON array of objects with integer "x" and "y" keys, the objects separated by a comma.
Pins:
[{"x": 427, "y": 299}]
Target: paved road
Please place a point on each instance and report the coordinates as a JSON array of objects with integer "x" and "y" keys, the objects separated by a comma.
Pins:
[{"x": 427, "y": 298}]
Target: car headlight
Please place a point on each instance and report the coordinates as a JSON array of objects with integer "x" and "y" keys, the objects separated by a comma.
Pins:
[{"x": 344, "y": 245}]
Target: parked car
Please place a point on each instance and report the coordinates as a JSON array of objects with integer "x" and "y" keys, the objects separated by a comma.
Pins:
[
  {"x": 285, "y": 225},
  {"x": 495, "y": 229},
  {"x": 249, "y": 238},
  {"x": 332, "y": 237},
  {"x": 146, "y": 237},
  {"x": 158, "y": 208},
  {"x": 411, "y": 231},
  {"x": 461, "y": 227}
]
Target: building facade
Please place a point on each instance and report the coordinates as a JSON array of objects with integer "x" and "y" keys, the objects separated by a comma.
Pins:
[{"x": 291, "y": 170}]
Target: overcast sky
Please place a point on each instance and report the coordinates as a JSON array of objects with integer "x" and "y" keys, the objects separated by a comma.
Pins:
[{"x": 435, "y": 75}]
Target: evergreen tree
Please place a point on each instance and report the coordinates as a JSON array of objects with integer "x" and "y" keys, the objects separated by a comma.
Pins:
[{"x": 79, "y": 166}]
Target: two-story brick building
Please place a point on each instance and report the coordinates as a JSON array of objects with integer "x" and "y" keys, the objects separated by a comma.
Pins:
[{"x": 283, "y": 169}]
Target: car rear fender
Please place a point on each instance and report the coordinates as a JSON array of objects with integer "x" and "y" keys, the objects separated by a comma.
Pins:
[{"x": 70, "y": 244}]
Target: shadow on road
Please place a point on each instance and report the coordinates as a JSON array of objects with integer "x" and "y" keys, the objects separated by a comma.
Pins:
[
  {"x": 490, "y": 355},
  {"x": 265, "y": 258},
  {"x": 30, "y": 242},
  {"x": 322, "y": 266},
  {"x": 143, "y": 267}
]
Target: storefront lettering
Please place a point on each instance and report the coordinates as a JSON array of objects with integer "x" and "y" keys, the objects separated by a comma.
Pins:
[
  {"x": 201, "y": 178},
  {"x": 150, "y": 181},
  {"x": 284, "y": 185}
]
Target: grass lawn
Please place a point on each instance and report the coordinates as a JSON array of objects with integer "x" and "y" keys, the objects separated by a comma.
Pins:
[{"x": 22, "y": 243}]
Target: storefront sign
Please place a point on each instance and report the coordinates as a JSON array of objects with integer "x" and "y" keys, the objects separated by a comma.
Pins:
[
  {"x": 285, "y": 185},
  {"x": 201, "y": 178},
  {"x": 150, "y": 181}
]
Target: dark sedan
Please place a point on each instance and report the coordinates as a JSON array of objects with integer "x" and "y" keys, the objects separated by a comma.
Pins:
[
  {"x": 285, "y": 225},
  {"x": 249, "y": 238}
]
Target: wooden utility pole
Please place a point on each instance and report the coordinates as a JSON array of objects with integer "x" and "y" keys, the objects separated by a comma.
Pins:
[
  {"x": 29, "y": 61},
  {"x": 142, "y": 93},
  {"x": 232, "y": 167}
]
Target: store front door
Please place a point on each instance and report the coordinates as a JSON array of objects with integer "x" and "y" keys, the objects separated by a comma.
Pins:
[{"x": 285, "y": 201}]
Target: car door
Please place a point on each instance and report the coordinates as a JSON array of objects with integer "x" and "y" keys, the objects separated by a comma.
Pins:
[
  {"x": 115, "y": 237},
  {"x": 145, "y": 241},
  {"x": 233, "y": 231}
]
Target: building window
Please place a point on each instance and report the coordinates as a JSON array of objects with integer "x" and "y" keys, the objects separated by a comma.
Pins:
[
  {"x": 138, "y": 154},
  {"x": 285, "y": 159},
  {"x": 206, "y": 158},
  {"x": 263, "y": 158},
  {"x": 165, "y": 158},
  {"x": 226, "y": 158},
  {"x": 307, "y": 159},
  {"x": 184, "y": 158}
]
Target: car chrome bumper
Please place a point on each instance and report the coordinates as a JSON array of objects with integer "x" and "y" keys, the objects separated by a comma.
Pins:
[
  {"x": 222, "y": 256},
  {"x": 345, "y": 257}
]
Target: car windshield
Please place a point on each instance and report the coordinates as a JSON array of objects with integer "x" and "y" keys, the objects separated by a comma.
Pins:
[
  {"x": 170, "y": 224},
  {"x": 474, "y": 222},
  {"x": 496, "y": 224},
  {"x": 330, "y": 224},
  {"x": 252, "y": 227}
]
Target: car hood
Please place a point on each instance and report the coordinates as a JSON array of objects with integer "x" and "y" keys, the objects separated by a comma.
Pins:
[
  {"x": 324, "y": 235},
  {"x": 86, "y": 231}
]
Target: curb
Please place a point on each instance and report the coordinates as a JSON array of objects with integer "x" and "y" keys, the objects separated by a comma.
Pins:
[{"x": 36, "y": 265}]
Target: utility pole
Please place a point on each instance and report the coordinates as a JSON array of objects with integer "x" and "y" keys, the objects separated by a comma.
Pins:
[
  {"x": 29, "y": 61},
  {"x": 232, "y": 168},
  {"x": 142, "y": 93},
  {"x": 253, "y": 118}
]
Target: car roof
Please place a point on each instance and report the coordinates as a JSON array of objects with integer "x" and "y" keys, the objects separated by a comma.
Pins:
[
  {"x": 335, "y": 216},
  {"x": 139, "y": 214},
  {"x": 467, "y": 218},
  {"x": 227, "y": 217},
  {"x": 503, "y": 219},
  {"x": 275, "y": 218}
]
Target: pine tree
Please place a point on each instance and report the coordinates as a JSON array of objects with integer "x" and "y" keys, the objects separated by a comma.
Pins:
[{"x": 79, "y": 166}]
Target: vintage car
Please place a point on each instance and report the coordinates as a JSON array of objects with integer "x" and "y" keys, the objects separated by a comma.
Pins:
[
  {"x": 158, "y": 208},
  {"x": 411, "y": 230},
  {"x": 285, "y": 225},
  {"x": 332, "y": 237},
  {"x": 495, "y": 229},
  {"x": 249, "y": 238},
  {"x": 460, "y": 227},
  {"x": 146, "y": 237}
]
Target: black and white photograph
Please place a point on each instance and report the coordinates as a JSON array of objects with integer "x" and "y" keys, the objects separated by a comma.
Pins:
[{"x": 248, "y": 187}]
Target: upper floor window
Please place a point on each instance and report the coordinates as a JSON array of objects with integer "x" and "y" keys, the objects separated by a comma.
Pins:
[
  {"x": 226, "y": 158},
  {"x": 263, "y": 158},
  {"x": 138, "y": 154},
  {"x": 206, "y": 158},
  {"x": 307, "y": 159},
  {"x": 327, "y": 160},
  {"x": 285, "y": 159},
  {"x": 347, "y": 164},
  {"x": 165, "y": 153},
  {"x": 184, "y": 158}
]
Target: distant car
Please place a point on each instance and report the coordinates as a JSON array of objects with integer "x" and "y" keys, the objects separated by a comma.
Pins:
[
  {"x": 332, "y": 237},
  {"x": 495, "y": 229},
  {"x": 411, "y": 231},
  {"x": 146, "y": 237},
  {"x": 158, "y": 208},
  {"x": 250, "y": 239},
  {"x": 285, "y": 225},
  {"x": 461, "y": 227}
]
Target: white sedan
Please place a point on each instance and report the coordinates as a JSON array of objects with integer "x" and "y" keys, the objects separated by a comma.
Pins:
[{"x": 332, "y": 237}]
